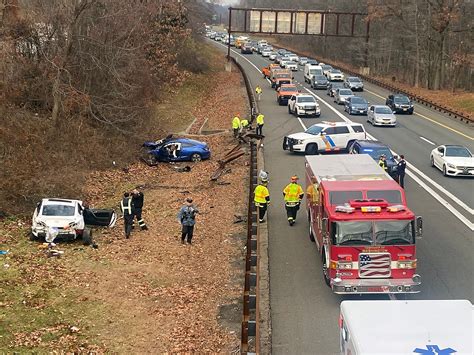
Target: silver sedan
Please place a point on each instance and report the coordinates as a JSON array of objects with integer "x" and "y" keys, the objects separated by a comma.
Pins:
[
  {"x": 341, "y": 95},
  {"x": 381, "y": 115}
]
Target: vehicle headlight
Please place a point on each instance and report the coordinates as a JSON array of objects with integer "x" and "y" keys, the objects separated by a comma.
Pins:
[
  {"x": 451, "y": 166},
  {"x": 397, "y": 105},
  {"x": 411, "y": 104},
  {"x": 299, "y": 141}
]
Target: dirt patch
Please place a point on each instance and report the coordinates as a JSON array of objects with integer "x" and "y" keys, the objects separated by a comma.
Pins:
[{"x": 148, "y": 294}]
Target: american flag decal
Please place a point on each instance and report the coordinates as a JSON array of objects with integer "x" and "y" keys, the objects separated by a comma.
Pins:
[{"x": 374, "y": 265}]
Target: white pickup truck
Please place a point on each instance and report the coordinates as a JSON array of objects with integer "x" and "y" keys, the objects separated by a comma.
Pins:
[
  {"x": 406, "y": 327},
  {"x": 303, "y": 105},
  {"x": 324, "y": 137}
]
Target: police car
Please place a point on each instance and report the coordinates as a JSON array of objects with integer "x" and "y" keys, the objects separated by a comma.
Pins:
[{"x": 324, "y": 137}]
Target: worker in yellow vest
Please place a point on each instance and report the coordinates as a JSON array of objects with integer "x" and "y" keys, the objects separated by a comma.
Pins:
[
  {"x": 258, "y": 91},
  {"x": 262, "y": 198},
  {"x": 260, "y": 123},
  {"x": 293, "y": 194},
  {"x": 236, "y": 125},
  {"x": 244, "y": 123}
]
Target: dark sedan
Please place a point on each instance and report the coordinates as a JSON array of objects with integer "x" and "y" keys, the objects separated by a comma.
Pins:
[
  {"x": 176, "y": 149},
  {"x": 319, "y": 82},
  {"x": 356, "y": 105},
  {"x": 332, "y": 87}
]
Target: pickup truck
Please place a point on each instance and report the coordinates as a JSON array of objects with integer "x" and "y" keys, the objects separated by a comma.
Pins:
[
  {"x": 266, "y": 71},
  {"x": 284, "y": 92}
]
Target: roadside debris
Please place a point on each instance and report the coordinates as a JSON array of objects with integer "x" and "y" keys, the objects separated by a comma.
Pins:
[{"x": 234, "y": 153}]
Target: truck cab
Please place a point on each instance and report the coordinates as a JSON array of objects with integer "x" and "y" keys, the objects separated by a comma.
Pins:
[{"x": 362, "y": 227}]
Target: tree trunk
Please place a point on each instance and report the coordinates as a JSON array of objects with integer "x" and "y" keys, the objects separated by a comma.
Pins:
[
  {"x": 56, "y": 99},
  {"x": 417, "y": 44}
]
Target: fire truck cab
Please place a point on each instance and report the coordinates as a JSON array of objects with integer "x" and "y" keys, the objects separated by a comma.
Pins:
[{"x": 362, "y": 227}]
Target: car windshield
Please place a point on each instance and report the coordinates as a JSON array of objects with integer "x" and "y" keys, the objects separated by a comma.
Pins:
[
  {"x": 354, "y": 80},
  {"x": 373, "y": 233},
  {"x": 376, "y": 152},
  {"x": 58, "y": 210},
  {"x": 290, "y": 63},
  {"x": 326, "y": 67},
  {"x": 401, "y": 99},
  {"x": 315, "y": 71},
  {"x": 283, "y": 76},
  {"x": 383, "y": 110},
  {"x": 335, "y": 71},
  {"x": 320, "y": 78},
  {"x": 458, "y": 152},
  {"x": 345, "y": 92},
  {"x": 305, "y": 99},
  {"x": 287, "y": 89},
  {"x": 358, "y": 100},
  {"x": 314, "y": 130}
]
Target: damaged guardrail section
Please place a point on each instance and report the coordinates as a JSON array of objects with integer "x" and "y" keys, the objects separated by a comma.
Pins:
[{"x": 250, "y": 328}]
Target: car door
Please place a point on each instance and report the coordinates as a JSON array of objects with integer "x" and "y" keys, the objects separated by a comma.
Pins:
[
  {"x": 291, "y": 102},
  {"x": 341, "y": 136},
  {"x": 439, "y": 157},
  {"x": 99, "y": 217}
]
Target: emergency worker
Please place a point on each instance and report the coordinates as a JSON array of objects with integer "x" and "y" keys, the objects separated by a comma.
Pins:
[
  {"x": 293, "y": 194},
  {"x": 126, "y": 206},
  {"x": 260, "y": 123},
  {"x": 137, "y": 201},
  {"x": 383, "y": 162},
  {"x": 401, "y": 166},
  {"x": 262, "y": 198},
  {"x": 236, "y": 125},
  {"x": 244, "y": 123},
  {"x": 258, "y": 91}
]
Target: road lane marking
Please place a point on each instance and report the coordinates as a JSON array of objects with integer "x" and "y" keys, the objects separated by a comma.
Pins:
[
  {"x": 440, "y": 199},
  {"x": 430, "y": 119},
  {"x": 427, "y": 140}
]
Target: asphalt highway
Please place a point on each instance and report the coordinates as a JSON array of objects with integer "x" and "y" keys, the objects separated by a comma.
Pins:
[{"x": 304, "y": 310}]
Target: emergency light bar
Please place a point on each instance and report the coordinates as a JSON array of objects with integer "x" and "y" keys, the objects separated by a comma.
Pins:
[
  {"x": 359, "y": 203},
  {"x": 375, "y": 209},
  {"x": 345, "y": 209},
  {"x": 396, "y": 208}
]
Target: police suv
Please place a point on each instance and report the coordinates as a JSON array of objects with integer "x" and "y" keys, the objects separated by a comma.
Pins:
[{"x": 324, "y": 137}]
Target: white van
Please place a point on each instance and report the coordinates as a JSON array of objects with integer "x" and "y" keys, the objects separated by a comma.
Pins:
[
  {"x": 406, "y": 327},
  {"x": 311, "y": 70}
]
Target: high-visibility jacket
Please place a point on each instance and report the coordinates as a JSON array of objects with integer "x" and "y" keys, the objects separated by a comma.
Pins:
[
  {"x": 244, "y": 122},
  {"x": 261, "y": 194},
  {"x": 260, "y": 119},
  {"x": 126, "y": 206},
  {"x": 293, "y": 192},
  {"x": 258, "y": 90},
  {"x": 383, "y": 164},
  {"x": 236, "y": 123}
]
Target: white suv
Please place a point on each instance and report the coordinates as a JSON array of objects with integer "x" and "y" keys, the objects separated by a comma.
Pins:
[
  {"x": 67, "y": 219},
  {"x": 324, "y": 137},
  {"x": 303, "y": 105}
]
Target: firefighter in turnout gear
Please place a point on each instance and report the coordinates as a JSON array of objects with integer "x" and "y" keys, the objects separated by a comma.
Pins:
[
  {"x": 293, "y": 194},
  {"x": 262, "y": 198},
  {"x": 137, "y": 201},
  {"x": 126, "y": 206}
]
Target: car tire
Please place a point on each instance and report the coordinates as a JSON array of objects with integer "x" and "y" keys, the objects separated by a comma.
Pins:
[
  {"x": 87, "y": 236},
  {"x": 311, "y": 234},
  {"x": 289, "y": 110},
  {"x": 349, "y": 144},
  {"x": 311, "y": 149},
  {"x": 196, "y": 158},
  {"x": 32, "y": 237},
  {"x": 410, "y": 113},
  {"x": 432, "y": 161},
  {"x": 445, "y": 173}
]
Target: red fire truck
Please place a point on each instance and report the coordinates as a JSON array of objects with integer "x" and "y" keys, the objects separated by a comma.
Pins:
[{"x": 362, "y": 227}]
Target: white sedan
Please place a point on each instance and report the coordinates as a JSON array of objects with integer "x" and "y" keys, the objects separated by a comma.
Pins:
[{"x": 453, "y": 160}]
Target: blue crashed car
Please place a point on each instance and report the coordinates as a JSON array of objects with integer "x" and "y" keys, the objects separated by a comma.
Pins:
[
  {"x": 176, "y": 149},
  {"x": 356, "y": 105}
]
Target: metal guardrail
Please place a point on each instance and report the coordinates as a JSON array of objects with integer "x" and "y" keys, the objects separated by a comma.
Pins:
[
  {"x": 249, "y": 332},
  {"x": 414, "y": 97}
]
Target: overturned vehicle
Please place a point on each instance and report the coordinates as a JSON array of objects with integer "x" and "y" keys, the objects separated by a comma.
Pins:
[{"x": 64, "y": 219}]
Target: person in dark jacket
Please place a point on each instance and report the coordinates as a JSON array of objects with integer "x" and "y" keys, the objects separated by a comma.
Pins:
[
  {"x": 137, "y": 200},
  {"x": 401, "y": 166},
  {"x": 187, "y": 218},
  {"x": 126, "y": 206}
]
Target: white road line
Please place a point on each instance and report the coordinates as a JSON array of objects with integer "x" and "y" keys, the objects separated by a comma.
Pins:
[
  {"x": 435, "y": 195},
  {"x": 427, "y": 140},
  {"x": 373, "y": 93}
]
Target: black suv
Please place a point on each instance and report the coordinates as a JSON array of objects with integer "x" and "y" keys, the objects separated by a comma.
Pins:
[
  {"x": 400, "y": 103},
  {"x": 375, "y": 149}
]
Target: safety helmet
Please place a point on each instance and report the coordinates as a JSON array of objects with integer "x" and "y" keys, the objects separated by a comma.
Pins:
[{"x": 294, "y": 178}]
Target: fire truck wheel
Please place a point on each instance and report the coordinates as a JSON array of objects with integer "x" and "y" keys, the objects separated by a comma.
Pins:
[{"x": 325, "y": 270}]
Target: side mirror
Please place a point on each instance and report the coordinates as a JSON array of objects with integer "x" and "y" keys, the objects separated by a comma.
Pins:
[
  {"x": 324, "y": 224},
  {"x": 419, "y": 227},
  {"x": 394, "y": 112}
]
